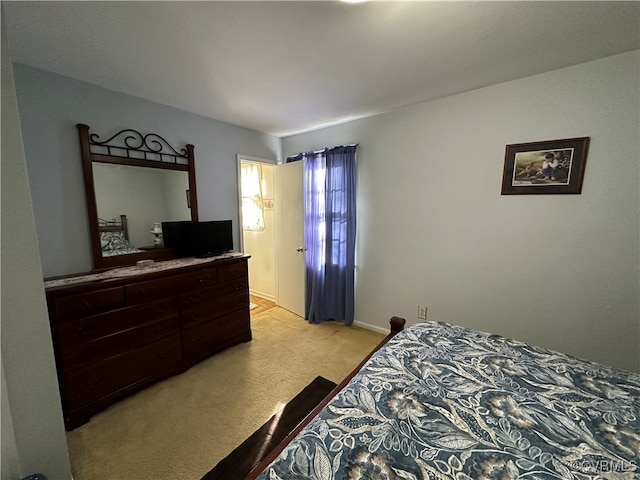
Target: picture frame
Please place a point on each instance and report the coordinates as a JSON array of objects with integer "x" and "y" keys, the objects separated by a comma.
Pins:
[{"x": 548, "y": 167}]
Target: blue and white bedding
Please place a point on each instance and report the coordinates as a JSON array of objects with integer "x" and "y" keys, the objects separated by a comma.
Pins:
[
  {"x": 445, "y": 402},
  {"x": 116, "y": 243}
]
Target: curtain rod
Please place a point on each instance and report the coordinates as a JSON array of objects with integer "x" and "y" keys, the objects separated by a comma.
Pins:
[
  {"x": 337, "y": 146},
  {"x": 298, "y": 156}
]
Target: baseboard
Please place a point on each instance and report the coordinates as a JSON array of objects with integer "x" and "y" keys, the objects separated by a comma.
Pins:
[
  {"x": 373, "y": 328},
  {"x": 266, "y": 296}
]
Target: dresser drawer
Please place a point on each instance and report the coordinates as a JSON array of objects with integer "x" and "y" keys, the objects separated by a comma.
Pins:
[
  {"x": 233, "y": 270},
  {"x": 81, "y": 305},
  {"x": 86, "y": 353},
  {"x": 76, "y": 332},
  {"x": 150, "y": 290},
  {"x": 191, "y": 299},
  {"x": 109, "y": 376},
  {"x": 198, "y": 279},
  {"x": 209, "y": 305},
  {"x": 233, "y": 286},
  {"x": 213, "y": 335}
]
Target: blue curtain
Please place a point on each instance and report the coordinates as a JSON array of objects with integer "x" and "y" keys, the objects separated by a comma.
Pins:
[{"x": 330, "y": 233}]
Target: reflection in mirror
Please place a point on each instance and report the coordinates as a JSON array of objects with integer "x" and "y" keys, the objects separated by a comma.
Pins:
[{"x": 146, "y": 196}]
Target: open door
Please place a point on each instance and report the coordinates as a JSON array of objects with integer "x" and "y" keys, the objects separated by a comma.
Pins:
[{"x": 290, "y": 246}]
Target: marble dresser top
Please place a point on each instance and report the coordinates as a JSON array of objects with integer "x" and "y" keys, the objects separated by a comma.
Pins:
[{"x": 136, "y": 270}]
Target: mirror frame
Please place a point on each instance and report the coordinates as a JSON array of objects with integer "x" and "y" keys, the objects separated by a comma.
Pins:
[{"x": 151, "y": 151}]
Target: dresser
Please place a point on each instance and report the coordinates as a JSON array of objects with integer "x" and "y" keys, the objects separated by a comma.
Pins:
[{"x": 119, "y": 331}]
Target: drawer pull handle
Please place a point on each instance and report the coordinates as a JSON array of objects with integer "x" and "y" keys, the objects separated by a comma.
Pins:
[
  {"x": 164, "y": 355},
  {"x": 98, "y": 302},
  {"x": 204, "y": 278},
  {"x": 237, "y": 287},
  {"x": 86, "y": 330},
  {"x": 94, "y": 383},
  {"x": 88, "y": 304},
  {"x": 195, "y": 298},
  {"x": 160, "y": 331},
  {"x": 197, "y": 340},
  {"x": 161, "y": 308}
]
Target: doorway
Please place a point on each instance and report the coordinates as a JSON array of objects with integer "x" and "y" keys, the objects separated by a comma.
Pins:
[
  {"x": 257, "y": 224},
  {"x": 271, "y": 210}
]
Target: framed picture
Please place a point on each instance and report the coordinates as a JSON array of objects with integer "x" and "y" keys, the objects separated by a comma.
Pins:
[{"x": 552, "y": 167}]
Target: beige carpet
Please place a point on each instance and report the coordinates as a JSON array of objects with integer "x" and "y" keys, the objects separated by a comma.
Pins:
[{"x": 180, "y": 428}]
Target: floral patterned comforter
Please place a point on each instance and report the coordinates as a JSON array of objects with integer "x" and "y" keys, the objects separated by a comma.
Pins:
[{"x": 445, "y": 402}]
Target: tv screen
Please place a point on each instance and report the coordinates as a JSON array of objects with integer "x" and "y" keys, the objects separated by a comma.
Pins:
[
  {"x": 207, "y": 239},
  {"x": 172, "y": 236}
]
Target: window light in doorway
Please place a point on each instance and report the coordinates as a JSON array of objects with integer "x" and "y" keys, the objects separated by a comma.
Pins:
[{"x": 252, "y": 201}]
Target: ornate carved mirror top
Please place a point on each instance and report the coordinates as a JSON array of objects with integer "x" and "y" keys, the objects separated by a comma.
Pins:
[
  {"x": 132, "y": 144},
  {"x": 133, "y": 183}
]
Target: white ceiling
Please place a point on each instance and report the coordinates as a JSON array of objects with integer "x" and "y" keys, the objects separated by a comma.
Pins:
[{"x": 284, "y": 67}]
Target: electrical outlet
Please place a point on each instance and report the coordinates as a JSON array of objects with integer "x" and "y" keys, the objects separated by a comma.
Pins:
[{"x": 422, "y": 312}]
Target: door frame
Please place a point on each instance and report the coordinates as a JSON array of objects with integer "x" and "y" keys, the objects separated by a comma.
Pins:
[{"x": 240, "y": 159}]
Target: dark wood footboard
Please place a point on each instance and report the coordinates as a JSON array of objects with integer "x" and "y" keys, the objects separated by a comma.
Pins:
[{"x": 396, "y": 325}]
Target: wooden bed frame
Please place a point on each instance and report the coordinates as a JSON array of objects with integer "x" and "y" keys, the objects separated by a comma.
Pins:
[
  {"x": 396, "y": 325},
  {"x": 446, "y": 401},
  {"x": 114, "y": 226}
]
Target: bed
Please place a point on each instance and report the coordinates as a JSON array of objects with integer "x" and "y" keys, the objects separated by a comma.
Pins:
[
  {"x": 439, "y": 401},
  {"x": 114, "y": 237}
]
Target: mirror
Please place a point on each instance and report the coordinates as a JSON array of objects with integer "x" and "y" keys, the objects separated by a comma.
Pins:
[
  {"x": 145, "y": 195},
  {"x": 133, "y": 182}
]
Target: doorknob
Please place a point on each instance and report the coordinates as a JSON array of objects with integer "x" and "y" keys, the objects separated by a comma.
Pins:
[{"x": 301, "y": 249}]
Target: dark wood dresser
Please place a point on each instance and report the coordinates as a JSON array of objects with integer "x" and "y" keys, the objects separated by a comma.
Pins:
[{"x": 119, "y": 331}]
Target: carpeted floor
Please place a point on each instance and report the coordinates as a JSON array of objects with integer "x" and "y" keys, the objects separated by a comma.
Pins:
[
  {"x": 180, "y": 428},
  {"x": 238, "y": 464}
]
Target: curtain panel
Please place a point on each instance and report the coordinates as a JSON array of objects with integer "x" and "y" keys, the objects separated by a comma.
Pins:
[
  {"x": 340, "y": 220},
  {"x": 330, "y": 232}
]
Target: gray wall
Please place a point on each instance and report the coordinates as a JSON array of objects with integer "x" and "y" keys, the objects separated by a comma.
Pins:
[
  {"x": 33, "y": 438},
  {"x": 51, "y": 105},
  {"x": 433, "y": 229}
]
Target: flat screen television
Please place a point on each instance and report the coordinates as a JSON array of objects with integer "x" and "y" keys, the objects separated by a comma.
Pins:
[
  {"x": 206, "y": 239},
  {"x": 172, "y": 236}
]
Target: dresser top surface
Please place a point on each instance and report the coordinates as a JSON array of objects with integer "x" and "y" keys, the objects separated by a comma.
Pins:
[{"x": 133, "y": 271}]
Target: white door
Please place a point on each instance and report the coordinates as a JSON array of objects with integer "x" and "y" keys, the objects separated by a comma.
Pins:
[{"x": 290, "y": 237}]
